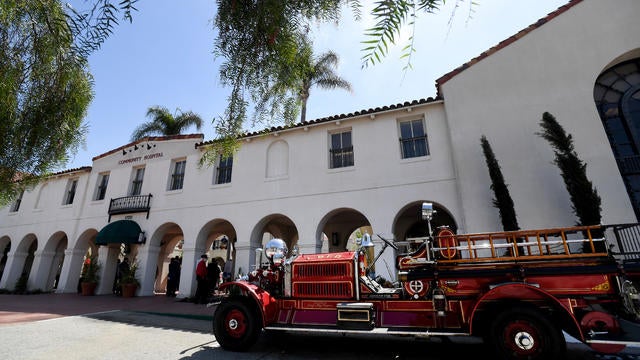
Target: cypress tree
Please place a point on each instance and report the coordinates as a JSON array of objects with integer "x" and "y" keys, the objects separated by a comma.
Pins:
[
  {"x": 502, "y": 199},
  {"x": 586, "y": 203}
]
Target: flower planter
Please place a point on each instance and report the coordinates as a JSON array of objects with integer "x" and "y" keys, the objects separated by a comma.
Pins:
[
  {"x": 88, "y": 288},
  {"x": 129, "y": 290}
]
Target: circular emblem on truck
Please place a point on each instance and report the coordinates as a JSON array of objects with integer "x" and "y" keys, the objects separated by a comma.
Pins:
[{"x": 416, "y": 288}]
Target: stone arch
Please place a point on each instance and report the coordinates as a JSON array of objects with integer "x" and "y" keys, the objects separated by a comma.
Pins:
[
  {"x": 408, "y": 222},
  {"x": 166, "y": 238},
  {"x": 49, "y": 262},
  {"x": 20, "y": 262},
  {"x": 272, "y": 226},
  {"x": 337, "y": 226},
  {"x": 218, "y": 238}
]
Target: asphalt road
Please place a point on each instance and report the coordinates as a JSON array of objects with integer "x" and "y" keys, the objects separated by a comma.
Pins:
[{"x": 136, "y": 335}]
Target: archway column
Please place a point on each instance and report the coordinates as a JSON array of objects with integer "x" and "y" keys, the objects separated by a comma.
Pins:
[
  {"x": 71, "y": 268},
  {"x": 242, "y": 262},
  {"x": 382, "y": 224},
  {"x": 39, "y": 276},
  {"x": 147, "y": 269},
  {"x": 108, "y": 260},
  {"x": 188, "y": 271},
  {"x": 13, "y": 269}
]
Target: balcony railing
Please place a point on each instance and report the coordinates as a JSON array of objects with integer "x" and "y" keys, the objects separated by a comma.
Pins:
[{"x": 130, "y": 204}]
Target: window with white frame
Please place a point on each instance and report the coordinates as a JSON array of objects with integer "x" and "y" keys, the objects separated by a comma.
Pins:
[
  {"x": 16, "y": 203},
  {"x": 136, "y": 181},
  {"x": 70, "y": 192},
  {"x": 177, "y": 174},
  {"x": 101, "y": 186},
  {"x": 413, "y": 139},
  {"x": 223, "y": 170},
  {"x": 341, "y": 149}
]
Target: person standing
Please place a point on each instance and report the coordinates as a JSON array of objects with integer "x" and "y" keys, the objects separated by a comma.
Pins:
[
  {"x": 201, "y": 278},
  {"x": 213, "y": 273},
  {"x": 123, "y": 268},
  {"x": 116, "y": 279},
  {"x": 173, "y": 277}
]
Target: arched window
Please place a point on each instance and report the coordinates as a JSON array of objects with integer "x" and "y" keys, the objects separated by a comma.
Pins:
[{"x": 617, "y": 97}]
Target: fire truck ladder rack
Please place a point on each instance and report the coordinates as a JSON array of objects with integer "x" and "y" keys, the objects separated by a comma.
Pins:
[{"x": 523, "y": 245}]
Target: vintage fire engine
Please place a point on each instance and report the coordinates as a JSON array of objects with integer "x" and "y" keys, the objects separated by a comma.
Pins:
[{"x": 516, "y": 290}]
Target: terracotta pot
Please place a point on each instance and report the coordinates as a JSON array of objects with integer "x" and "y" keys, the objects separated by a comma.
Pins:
[
  {"x": 88, "y": 288},
  {"x": 129, "y": 290}
]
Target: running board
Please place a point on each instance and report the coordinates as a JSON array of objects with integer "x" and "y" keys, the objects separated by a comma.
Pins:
[
  {"x": 630, "y": 335},
  {"x": 375, "y": 331}
]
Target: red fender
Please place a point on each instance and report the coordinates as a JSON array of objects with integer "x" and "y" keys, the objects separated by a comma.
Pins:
[
  {"x": 522, "y": 291},
  {"x": 266, "y": 303}
]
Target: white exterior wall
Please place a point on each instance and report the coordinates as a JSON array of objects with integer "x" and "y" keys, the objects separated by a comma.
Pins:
[
  {"x": 503, "y": 96},
  {"x": 305, "y": 190}
]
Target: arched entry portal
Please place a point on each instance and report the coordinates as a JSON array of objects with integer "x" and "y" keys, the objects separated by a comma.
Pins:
[
  {"x": 339, "y": 225},
  {"x": 218, "y": 238},
  {"x": 271, "y": 226},
  {"x": 170, "y": 238},
  {"x": 617, "y": 97},
  {"x": 409, "y": 223}
]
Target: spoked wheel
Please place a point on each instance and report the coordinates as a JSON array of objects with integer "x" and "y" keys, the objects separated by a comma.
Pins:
[
  {"x": 523, "y": 333},
  {"x": 235, "y": 326}
]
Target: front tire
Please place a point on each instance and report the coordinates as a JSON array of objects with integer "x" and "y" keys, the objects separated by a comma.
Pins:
[
  {"x": 523, "y": 333},
  {"x": 235, "y": 326}
]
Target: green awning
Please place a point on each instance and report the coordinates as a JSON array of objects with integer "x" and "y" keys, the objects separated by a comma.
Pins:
[{"x": 120, "y": 232}]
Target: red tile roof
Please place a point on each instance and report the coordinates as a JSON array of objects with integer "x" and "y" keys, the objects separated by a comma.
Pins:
[{"x": 370, "y": 111}]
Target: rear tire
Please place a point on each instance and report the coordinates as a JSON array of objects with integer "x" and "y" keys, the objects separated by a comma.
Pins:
[
  {"x": 524, "y": 333},
  {"x": 235, "y": 326}
]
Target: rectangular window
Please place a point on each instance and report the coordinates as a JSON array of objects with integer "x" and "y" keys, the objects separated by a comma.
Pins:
[
  {"x": 223, "y": 170},
  {"x": 101, "y": 186},
  {"x": 70, "y": 192},
  {"x": 341, "y": 151},
  {"x": 136, "y": 182},
  {"x": 16, "y": 204},
  {"x": 177, "y": 176},
  {"x": 413, "y": 139}
]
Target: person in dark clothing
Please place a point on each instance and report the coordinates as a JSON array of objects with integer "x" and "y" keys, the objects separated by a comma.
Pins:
[
  {"x": 202, "y": 291},
  {"x": 173, "y": 277},
  {"x": 123, "y": 268},
  {"x": 213, "y": 274},
  {"x": 116, "y": 279}
]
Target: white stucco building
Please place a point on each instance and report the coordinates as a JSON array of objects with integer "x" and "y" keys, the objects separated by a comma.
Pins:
[{"x": 313, "y": 184}]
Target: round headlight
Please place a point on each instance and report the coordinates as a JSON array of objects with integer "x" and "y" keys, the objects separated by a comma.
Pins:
[{"x": 275, "y": 248}]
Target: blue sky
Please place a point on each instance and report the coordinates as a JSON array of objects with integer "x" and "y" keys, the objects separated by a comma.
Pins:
[{"x": 165, "y": 57}]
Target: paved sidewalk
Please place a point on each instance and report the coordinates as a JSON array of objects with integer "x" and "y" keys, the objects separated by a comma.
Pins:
[{"x": 24, "y": 308}]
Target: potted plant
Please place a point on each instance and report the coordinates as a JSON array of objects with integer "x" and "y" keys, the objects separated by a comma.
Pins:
[
  {"x": 129, "y": 281},
  {"x": 90, "y": 275}
]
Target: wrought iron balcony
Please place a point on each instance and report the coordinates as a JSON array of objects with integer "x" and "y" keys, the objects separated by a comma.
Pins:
[{"x": 130, "y": 204}]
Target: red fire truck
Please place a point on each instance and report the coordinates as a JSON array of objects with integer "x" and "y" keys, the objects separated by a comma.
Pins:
[{"x": 517, "y": 290}]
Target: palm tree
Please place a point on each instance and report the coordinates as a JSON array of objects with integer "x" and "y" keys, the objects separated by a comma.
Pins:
[
  {"x": 319, "y": 72},
  {"x": 164, "y": 123}
]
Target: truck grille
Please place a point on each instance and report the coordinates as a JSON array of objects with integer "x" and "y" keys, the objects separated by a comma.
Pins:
[
  {"x": 326, "y": 271},
  {"x": 323, "y": 290}
]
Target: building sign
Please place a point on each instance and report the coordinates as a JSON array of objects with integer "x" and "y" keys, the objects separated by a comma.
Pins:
[{"x": 140, "y": 158}]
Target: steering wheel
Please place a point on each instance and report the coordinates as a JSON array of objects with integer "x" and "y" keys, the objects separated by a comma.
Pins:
[{"x": 390, "y": 243}]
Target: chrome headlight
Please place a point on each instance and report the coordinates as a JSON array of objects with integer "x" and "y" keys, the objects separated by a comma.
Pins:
[{"x": 276, "y": 249}]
